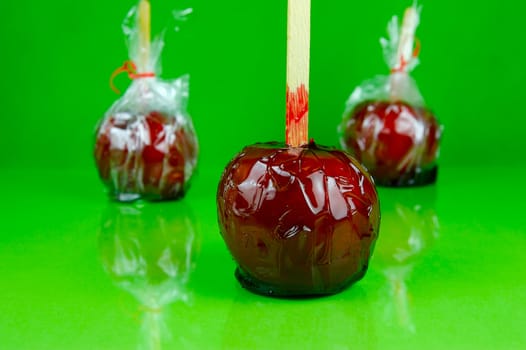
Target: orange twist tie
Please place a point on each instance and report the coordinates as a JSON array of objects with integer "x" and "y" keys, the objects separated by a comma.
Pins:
[
  {"x": 130, "y": 68},
  {"x": 403, "y": 62}
]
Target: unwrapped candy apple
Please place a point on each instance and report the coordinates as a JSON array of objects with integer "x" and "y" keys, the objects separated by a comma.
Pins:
[{"x": 298, "y": 220}]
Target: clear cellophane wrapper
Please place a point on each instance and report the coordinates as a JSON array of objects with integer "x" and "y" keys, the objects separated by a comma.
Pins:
[
  {"x": 387, "y": 125},
  {"x": 146, "y": 145}
]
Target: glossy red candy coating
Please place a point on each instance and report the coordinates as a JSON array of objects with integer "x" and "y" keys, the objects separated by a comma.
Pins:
[
  {"x": 397, "y": 143},
  {"x": 298, "y": 221},
  {"x": 144, "y": 156}
]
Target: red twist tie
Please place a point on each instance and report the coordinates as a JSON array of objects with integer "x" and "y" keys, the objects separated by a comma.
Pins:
[
  {"x": 130, "y": 68},
  {"x": 403, "y": 63}
]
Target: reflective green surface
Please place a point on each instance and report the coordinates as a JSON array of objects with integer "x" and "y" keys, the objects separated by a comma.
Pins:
[{"x": 79, "y": 272}]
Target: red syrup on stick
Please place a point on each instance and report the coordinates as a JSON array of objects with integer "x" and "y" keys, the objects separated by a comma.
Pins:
[{"x": 297, "y": 116}]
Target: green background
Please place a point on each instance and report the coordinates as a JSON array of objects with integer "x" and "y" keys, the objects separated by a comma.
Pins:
[
  {"x": 463, "y": 289},
  {"x": 57, "y": 58}
]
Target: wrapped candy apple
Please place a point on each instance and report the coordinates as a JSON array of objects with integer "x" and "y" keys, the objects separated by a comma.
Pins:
[
  {"x": 146, "y": 146},
  {"x": 386, "y": 124},
  {"x": 299, "y": 219}
]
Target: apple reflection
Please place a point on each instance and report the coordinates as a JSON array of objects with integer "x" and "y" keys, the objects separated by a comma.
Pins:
[
  {"x": 149, "y": 250},
  {"x": 408, "y": 230}
]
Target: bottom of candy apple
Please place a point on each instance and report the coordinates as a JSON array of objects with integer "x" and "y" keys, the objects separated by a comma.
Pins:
[
  {"x": 422, "y": 177},
  {"x": 125, "y": 197},
  {"x": 279, "y": 291},
  {"x": 149, "y": 197}
]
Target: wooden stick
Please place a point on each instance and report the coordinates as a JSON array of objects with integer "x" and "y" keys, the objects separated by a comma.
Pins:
[
  {"x": 407, "y": 36},
  {"x": 298, "y": 56},
  {"x": 144, "y": 24}
]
